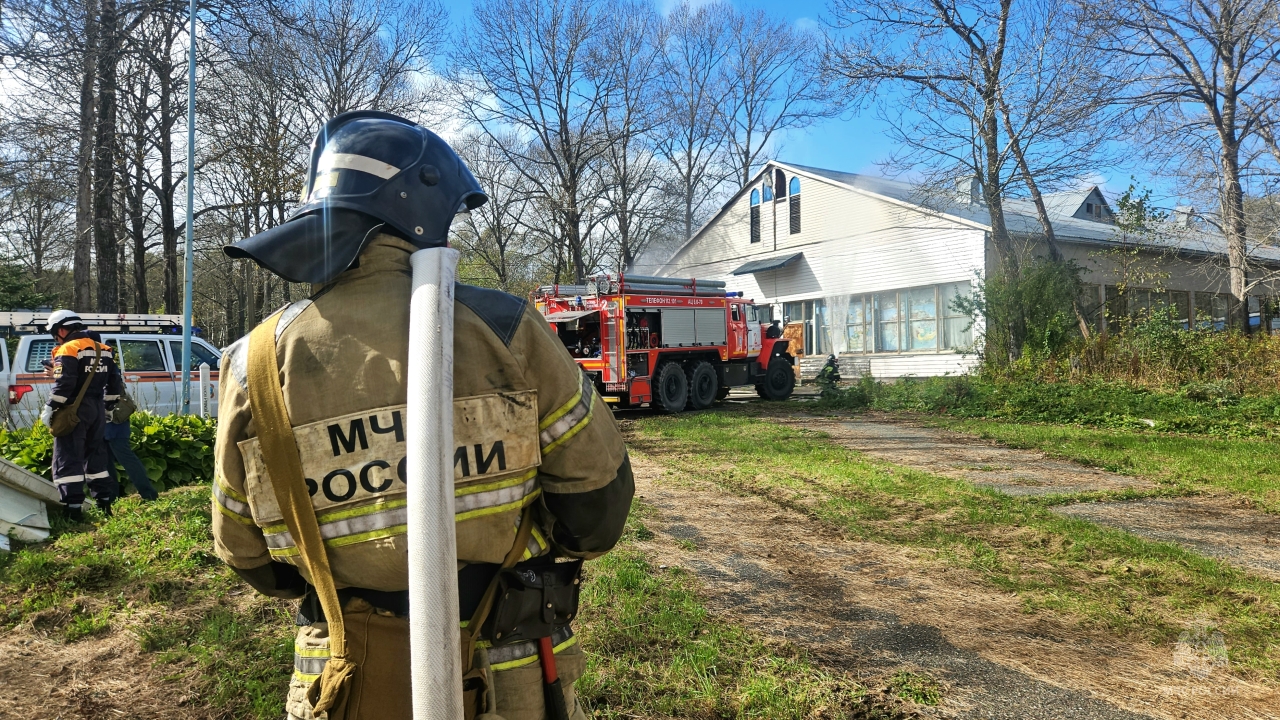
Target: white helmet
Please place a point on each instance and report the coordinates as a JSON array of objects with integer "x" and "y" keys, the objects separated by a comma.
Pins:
[{"x": 62, "y": 317}]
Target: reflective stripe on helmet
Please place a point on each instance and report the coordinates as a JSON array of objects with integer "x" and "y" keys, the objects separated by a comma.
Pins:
[{"x": 363, "y": 163}]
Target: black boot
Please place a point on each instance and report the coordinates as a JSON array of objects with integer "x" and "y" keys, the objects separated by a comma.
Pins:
[
  {"x": 74, "y": 514},
  {"x": 105, "y": 507}
]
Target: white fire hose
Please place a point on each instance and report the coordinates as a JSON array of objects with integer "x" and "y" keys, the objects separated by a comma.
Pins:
[{"x": 434, "y": 641}]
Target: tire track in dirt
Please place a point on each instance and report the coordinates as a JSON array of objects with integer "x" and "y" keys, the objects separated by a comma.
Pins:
[
  {"x": 95, "y": 679},
  {"x": 872, "y": 609},
  {"x": 1218, "y": 526}
]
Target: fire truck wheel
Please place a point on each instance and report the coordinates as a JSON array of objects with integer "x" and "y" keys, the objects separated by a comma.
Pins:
[
  {"x": 672, "y": 389},
  {"x": 704, "y": 386},
  {"x": 779, "y": 380}
]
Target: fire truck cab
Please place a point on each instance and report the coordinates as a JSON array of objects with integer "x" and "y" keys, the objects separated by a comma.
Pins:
[{"x": 671, "y": 343}]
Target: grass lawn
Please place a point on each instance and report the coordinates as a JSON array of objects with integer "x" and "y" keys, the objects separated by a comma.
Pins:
[
  {"x": 1247, "y": 466},
  {"x": 1099, "y": 576},
  {"x": 652, "y": 648},
  {"x": 151, "y": 571},
  {"x": 654, "y": 651}
]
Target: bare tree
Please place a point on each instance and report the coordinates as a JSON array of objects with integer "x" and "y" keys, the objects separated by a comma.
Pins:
[
  {"x": 634, "y": 196},
  {"x": 494, "y": 234},
  {"x": 691, "y": 90},
  {"x": 360, "y": 54},
  {"x": 947, "y": 59},
  {"x": 1207, "y": 82},
  {"x": 526, "y": 67},
  {"x": 774, "y": 85}
]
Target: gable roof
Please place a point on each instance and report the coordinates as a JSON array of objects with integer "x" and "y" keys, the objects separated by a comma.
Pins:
[{"x": 1020, "y": 214}]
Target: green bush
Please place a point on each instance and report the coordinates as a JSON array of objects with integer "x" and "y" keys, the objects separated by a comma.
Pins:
[{"x": 175, "y": 449}]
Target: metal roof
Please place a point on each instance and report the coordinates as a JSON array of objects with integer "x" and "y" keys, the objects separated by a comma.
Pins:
[
  {"x": 1021, "y": 218},
  {"x": 773, "y": 263}
]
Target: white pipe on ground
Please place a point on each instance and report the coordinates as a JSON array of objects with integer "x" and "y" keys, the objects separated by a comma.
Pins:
[
  {"x": 204, "y": 389},
  {"x": 434, "y": 642}
]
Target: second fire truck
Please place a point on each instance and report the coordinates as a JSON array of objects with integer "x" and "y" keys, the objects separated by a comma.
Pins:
[{"x": 671, "y": 343}]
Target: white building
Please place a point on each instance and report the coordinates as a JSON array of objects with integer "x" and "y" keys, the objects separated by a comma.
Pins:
[{"x": 870, "y": 266}]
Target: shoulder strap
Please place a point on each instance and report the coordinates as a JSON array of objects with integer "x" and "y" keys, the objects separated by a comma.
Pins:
[
  {"x": 284, "y": 465},
  {"x": 97, "y": 357}
]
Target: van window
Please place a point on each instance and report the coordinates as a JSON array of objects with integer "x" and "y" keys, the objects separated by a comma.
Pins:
[
  {"x": 199, "y": 354},
  {"x": 37, "y": 351},
  {"x": 141, "y": 356}
]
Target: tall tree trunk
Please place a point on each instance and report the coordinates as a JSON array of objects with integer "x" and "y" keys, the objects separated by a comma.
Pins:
[
  {"x": 1042, "y": 213},
  {"x": 138, "y": 229},
  {"x": 81, "y": 254},
  {"x": 168, "y": 224},
  {"x": 1235, "y": 229},
  {"x": 104, "y": 162}
]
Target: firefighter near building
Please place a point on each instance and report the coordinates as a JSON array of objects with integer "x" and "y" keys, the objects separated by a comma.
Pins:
[{"x": 671, "y": 343}]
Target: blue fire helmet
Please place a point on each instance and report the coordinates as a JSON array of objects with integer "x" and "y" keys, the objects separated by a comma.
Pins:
[{"x": 370, "y": 172}]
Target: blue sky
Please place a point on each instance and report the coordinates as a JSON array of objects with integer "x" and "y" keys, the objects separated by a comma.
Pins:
[{"x": 852, "y": 142}]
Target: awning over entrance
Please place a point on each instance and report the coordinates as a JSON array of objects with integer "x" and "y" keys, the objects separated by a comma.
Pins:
[
  {"x": 773, "y": 263},
  {"x": 567, "y": 315}
]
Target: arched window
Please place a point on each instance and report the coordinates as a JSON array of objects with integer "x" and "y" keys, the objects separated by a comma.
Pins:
[
  {"x": 767, "y": 189},
  {"x": 794, "y": 207},
  {"x": 780, "y": 182},
  {"x": 755, "y": 216}
]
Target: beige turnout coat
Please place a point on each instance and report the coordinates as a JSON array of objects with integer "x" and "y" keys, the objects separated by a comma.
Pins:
[{"x": 528, "y": 427}]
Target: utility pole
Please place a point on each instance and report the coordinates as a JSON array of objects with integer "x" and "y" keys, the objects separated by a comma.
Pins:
[{"x": 191, "y": 216}]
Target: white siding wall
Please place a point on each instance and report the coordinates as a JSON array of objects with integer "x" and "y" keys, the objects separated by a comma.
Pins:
[
  {"x": 852, "y": 243},
  {"x": 885, "y": 367}
]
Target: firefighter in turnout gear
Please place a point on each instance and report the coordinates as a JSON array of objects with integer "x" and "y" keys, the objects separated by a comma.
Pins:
[
  {"x": 542, "y": 478},
  {"x": 83, "y": 370}
]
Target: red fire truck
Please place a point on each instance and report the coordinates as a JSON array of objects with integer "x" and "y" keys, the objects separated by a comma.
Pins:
[{"x": 667, "y": 342}]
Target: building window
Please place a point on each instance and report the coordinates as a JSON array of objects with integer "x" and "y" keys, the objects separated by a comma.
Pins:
[
  {"x": 767, "y": 188},
  {"x": 886, "y": 312},
  {"x": 755, "y": 216},
  {"x": 957, "y": 327},
  {"x": 780, "y": 182},
  {"x": 922, "y": 319},
  {"x": 858, "y": 330},
  {"x": 1211, "y": 311},
  {"x": 794, "y": 207}
]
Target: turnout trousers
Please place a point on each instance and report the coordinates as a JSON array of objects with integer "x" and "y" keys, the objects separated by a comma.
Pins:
[
  {"x": 378, "y": 641},
  {"x": 81, "y": 457}
]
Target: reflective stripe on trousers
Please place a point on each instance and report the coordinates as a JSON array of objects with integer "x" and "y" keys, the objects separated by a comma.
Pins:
[{"x": 309, "y": 660}]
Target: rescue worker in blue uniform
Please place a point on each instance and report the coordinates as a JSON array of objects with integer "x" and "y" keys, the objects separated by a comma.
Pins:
[{"x": 80, "y": 457}]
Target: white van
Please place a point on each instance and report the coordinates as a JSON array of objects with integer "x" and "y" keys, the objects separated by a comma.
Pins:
[{"x": 150, "y": 362}]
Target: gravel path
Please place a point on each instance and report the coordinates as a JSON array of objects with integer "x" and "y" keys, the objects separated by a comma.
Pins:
[
  {"x": 1009, "y": 470},
  {"x": 872, "y": 610},
  {"x": 1215, "y": 526}
]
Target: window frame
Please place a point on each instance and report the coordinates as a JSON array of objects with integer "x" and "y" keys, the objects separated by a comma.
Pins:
[{"x": 120, "y": 354}]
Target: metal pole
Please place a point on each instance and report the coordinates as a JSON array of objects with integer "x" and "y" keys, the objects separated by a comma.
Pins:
[{"x": 191, "y": 216}]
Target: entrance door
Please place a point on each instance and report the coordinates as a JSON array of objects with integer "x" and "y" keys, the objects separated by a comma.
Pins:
[
  {"x": 753, "y": 330},
  {"x": 737, "y": 330}
]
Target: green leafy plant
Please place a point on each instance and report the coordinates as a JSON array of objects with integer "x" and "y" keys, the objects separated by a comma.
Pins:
[{"x": 176, "y": 449}]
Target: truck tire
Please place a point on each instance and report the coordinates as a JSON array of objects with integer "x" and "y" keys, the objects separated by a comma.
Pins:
[
  {"x": 704, "y": 386},
  {"x": 779, "y": 380},
  {"x": 672, "y": 388}
]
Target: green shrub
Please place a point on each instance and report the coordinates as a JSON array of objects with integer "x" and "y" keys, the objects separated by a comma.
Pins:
[{"x": 175, "y": 449}]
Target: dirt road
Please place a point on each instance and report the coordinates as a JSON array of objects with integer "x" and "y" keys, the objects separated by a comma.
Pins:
[
  {"x": 1217, "y": 526},
  {"x": 872, "y": 610}
]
